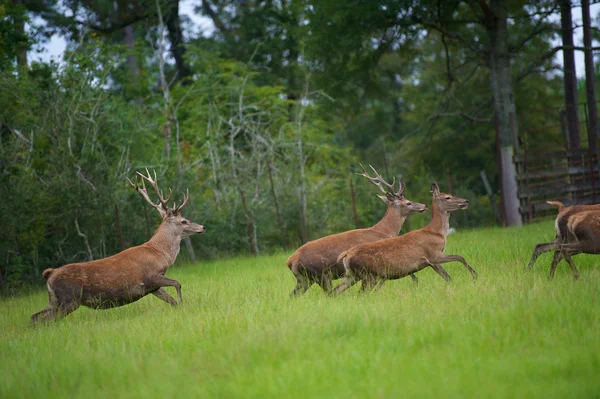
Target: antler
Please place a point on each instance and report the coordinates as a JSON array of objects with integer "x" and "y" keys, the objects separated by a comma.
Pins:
[
  {"x": 144, "y": 192},
  {"x": 153, "y": 182},
  {"x": 186, "y": 197},
  {"x": 163, "y": 202},
  {"x": 379, "y": 181}
]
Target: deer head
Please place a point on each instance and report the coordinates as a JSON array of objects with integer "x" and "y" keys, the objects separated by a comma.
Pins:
[
  {"x": 396, "y": 198},
  {"x": 172, "y": 218},
  {"x": 447, "y": 202}
]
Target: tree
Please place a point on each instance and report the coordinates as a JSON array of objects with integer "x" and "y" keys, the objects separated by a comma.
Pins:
[{"x": 570, "y": 75}]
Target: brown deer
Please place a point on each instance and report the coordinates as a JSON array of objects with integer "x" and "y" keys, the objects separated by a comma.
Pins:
[
  {"x": 562, "y": 234},
  {"x": 397, "y": 257},
  {"x": 316, "y": 261},
  {"x": 583, "y": 237},
  {"x": 127, "y": 276}
]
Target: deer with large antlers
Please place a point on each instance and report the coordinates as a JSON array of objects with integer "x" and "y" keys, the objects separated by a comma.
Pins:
[
  {"x": 398, "y": 257},
  {"x": 127, "y": 276},
  {"x": 563, "y": 237},
  {"x": 316, "y": 261}
]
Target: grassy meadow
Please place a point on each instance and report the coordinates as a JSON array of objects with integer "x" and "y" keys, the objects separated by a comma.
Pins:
[{"x": 238, "y": 334}]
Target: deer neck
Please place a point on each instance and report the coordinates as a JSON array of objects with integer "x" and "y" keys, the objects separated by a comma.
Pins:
[
  {"x": 440, "y": 221},
  {"x": 166, "y": 242},
  {"x": 391, "y": 223}
]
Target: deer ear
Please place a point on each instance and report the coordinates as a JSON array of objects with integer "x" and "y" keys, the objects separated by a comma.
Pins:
[
  {"x": 384, "y": 199},
  {"x": 435, "y": 189}
]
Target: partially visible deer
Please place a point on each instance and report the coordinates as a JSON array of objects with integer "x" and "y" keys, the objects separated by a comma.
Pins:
[
  {"x": 562, "y": 233},
  {"x": 398, "y": 257},
  {"x": 583, "y": 237},
  {"x": 127, "y": 276},
  {"x": 316, "y": 261}
]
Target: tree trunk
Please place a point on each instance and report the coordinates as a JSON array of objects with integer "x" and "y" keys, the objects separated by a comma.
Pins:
[
  {"x": 570, "y": 76},
  {"x": 276, "y": 203},
  {"x": 129, "y": 39},
  {"x": 504, "y": 108},
  {"x": 190, "y": 249},
  {"x": 20, "y": 31},
  {"x": 176, "y": 38},
  {"x": 589, "y": 77}
]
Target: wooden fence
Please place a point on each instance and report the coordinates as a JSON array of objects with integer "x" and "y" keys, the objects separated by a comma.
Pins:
[{"x": 544, "y": 173}]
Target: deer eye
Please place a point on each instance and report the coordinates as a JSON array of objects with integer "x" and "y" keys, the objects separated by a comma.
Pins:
[
  {"x": 184, "y": 222},
  {"x": 409, "y": 203},
  {"x": 447, "y": 198}
]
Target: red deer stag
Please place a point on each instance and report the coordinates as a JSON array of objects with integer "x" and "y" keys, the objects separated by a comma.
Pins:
[
  {"x": 562, "y": 234},
  {"x": 397, "y": 257},
  {"x": 583, "y": 237},
  {"x": 316, "y": 261},
  {"x": 127, "y": 276}
]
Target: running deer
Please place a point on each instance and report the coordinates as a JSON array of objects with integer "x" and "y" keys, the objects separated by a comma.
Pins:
[
  {"x": 127, "y": 276},
  {"x": 562, "y": 234},
  {"x": 397, "y": 257},
  {"x": 316, "y": 261},
  {"x": 583, "y": 237}
]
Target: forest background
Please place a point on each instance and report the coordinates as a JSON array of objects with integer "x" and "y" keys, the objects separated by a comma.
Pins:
[{"x": 266, "y": 118}]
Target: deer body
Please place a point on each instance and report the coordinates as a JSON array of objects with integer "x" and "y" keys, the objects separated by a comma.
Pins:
[
  {"x": 125, "y": 277},
  {"x": 583, "y": 236},
  {"x": 317, "y": 261},
  {"x": 565, "y": 213},
  {"x": 398, "y": 257}
]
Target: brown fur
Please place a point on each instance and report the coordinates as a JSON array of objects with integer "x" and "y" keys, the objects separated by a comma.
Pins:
[
  {"x": 46, "y": 273},
  {"x": 316, "y": 261},
  {"x": 562, "y": 231},
  {"x": 122, "y": 278},
  {"x": 398, "y": 257},
  {"x": 583, "y": 236}
]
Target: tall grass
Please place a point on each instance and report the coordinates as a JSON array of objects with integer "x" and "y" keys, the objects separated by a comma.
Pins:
[{"x": 238, "y": 334}]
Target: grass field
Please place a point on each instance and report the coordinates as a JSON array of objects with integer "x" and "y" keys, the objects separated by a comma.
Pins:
[{"x": 238, "y": 334}]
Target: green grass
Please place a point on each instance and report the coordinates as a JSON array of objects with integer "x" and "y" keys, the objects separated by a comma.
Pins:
[{"x": 238, "y": 334}]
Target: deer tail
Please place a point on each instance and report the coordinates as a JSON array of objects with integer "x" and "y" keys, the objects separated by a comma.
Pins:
[
  {"x": 557, "y": 204},
  {"x": 342, "y": 259},
  {"x": 46, "y": 273},
  {"x": 291, "y": 261}
]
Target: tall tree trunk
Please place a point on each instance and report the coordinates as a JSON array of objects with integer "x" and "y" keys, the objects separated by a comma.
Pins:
[
  {"x": 504, "y": 107},
  {"x": 129, "y": 39},
  {"x": 589, "y": 77},
  {"x": 20, "y": 30},
  {"x": 570, "y": 76},
  {"x": 176, "y": 38},
  {"x": 276, "y": 203}
]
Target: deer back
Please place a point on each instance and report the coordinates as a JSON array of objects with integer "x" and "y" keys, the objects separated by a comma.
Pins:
[
  {"x": 323, "y": 252},
  {"x": 565, "y": 213}
]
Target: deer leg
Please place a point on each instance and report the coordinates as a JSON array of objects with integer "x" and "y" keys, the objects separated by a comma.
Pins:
[
  {"x": 573, "y": 268},
  {"x": 163, "y": 281},
  {"x": 45, "y": 315},
  {"x": 368, "y": 282},
  {"x": 414, "y": 279},
  {"x": 381, "y": 281},
  {"x": 163, "y": 295},
  {"x": 443, "y": 258},
  {"x": 303, "y": 284},
  {"x": 348, "y": 281},
  {"x": 325, "y": 282},
  {"x": 558, "y": 255},
  {"x": 441, "y": 271},
  {"x": 540, "y": 249}
]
